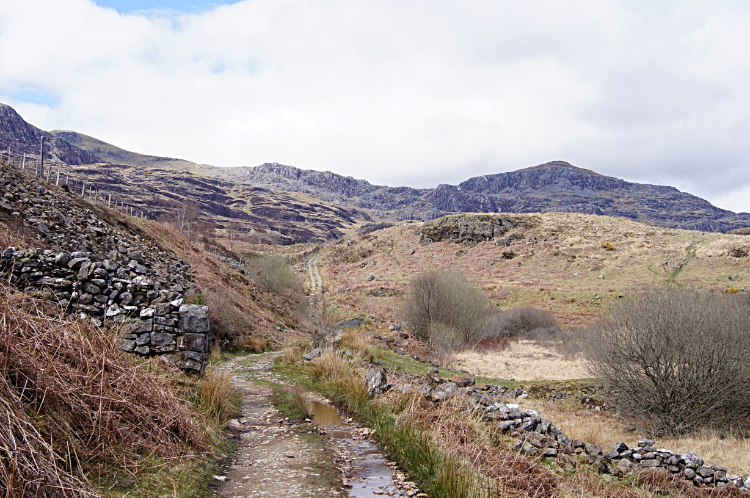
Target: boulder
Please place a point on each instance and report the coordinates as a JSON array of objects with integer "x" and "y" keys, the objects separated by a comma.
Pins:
[
  {"x": 462, "y": 380},
  {"x": 313, "y": 354},
  {"x": 444, "y": 391},
  {"x": 376, "y": 381}
]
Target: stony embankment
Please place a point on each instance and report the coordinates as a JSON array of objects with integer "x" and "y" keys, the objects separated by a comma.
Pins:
[
  {"x": 102, "y": 272},
  {"x": 535, "y": 436}
]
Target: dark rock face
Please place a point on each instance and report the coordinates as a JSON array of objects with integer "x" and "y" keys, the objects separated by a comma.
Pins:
[
  {"x": 555, "y": 187},
  {"x": 23, "y": 138}
]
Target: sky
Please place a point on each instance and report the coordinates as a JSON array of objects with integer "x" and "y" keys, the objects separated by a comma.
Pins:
[{"x": 411, "y": 93}]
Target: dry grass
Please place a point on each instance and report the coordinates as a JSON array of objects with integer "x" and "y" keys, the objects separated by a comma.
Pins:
[
  {"x": 357, "y": 342},
  {"x": 68, "y": 383},
  {"x": 522, "y": 361},
  {"x": 294, "y": 348},
  {"x": 560, "y": 274},
  {"x": 252, "y": 343},
  {"x": 732, "y": 452},
  {"x": 592, "y": 426},
  {"x": 216, "y": 400}
]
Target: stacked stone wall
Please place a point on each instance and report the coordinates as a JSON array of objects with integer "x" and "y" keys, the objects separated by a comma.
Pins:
[{"x": 99, "y": 271}]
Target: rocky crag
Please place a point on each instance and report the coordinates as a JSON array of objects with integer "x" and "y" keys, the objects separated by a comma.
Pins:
[
  {"x": 20, "y": 138},
  {"x": 102, "y": 272},
  {"x": 555, "y": 187}
]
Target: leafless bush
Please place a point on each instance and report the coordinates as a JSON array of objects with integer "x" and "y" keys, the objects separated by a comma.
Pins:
[
  {"x": 445, "y": 338},
  {"x": 447, "y": 299},
  {"x": 227, "y": 320},
  {"x": 271, "y": 272},
  {"x": 571, "y": 341},
  {"x": 678, "y": 357},
  {"x": 523, "y": 323}
]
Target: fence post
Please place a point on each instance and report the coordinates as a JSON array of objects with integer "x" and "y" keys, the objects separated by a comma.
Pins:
[
  {"x": 57, "y": 182},
  {"x": 109, "y": 201},
  {"x": 23, "y": 164},
  {"x": 83, "y": 188},
  {"x": 41, "y": 158}
]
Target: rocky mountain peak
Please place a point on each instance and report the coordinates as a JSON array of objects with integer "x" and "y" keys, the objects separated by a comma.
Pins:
[{"x": 23, "y": 138}]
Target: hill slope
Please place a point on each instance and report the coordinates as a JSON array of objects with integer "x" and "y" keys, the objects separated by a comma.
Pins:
[
  {"x": 554, "y": 261},
  {"x": 556, "y": 186}
]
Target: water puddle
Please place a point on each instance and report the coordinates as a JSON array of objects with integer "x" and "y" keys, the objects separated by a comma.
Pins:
[{"x": 370, "y": 476}]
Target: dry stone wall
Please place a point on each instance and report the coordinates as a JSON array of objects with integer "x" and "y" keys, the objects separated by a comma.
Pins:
[
  {"x": 537, "y": 436},
  {"x": 100, "y": 272}
]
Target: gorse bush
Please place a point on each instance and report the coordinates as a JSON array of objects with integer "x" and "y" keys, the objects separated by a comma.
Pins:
[
  {"x": 447, "y": 299},
  {"x": 678, "y": 357}
]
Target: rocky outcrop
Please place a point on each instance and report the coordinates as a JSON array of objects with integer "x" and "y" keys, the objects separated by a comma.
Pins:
[{"x": 467, "y": 229}]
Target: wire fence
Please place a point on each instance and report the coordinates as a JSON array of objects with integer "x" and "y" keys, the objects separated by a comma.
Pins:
[{"x": 58, "y": 173}]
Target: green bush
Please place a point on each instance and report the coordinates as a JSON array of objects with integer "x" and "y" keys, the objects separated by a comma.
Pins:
[
  {"x": 680, "y": 358},
  {"x": 447, "y": 299}
]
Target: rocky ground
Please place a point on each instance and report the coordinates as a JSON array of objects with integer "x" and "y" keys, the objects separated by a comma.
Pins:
[{"x": 277, "y": 457}]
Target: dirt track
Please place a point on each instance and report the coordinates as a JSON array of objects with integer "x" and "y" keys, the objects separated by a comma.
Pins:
[{"x": 274, "y": 459}]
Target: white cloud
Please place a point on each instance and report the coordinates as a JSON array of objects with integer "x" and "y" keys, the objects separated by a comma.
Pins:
[{"x": 413, "y": 93}]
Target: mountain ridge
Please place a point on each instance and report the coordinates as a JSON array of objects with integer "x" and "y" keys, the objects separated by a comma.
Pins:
[{"x": 556, "y": 186}]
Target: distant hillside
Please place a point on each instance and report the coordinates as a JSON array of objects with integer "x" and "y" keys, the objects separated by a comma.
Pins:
[
  {"x": 22, "y": 138},
  {"x": 551, "y": 187},
  {"x": 115, "y": 155},
  {"x": 554, "y": 187}
]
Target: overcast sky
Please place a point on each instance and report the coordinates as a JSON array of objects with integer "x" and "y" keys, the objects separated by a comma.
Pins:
[{"x": 399, "y": 92}]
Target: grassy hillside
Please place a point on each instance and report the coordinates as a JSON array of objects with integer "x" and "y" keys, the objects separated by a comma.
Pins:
[
  {"x": 557, "y": 264},
  {"x": 115, "y": 155}
]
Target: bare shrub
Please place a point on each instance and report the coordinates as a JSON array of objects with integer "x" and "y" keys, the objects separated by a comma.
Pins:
[
  {"x": 227, "y": 320},
  {"x": 271, "y": 272},
  {"x": 444, "y": 337},
  {"x": 444, "y": 298},
  {"x": 677, "y": 357},
  {"x": 522, "y": 323}
]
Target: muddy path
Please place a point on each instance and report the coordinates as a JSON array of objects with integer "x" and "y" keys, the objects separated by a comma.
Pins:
[{"x": 329, "y": 456}]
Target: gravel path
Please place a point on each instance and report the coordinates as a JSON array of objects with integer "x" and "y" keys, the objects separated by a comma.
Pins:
[{"x": 274, "y": 459}]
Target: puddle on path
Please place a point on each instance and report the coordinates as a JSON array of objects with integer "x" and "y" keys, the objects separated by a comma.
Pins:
[{"x": 370, "y": 476}]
